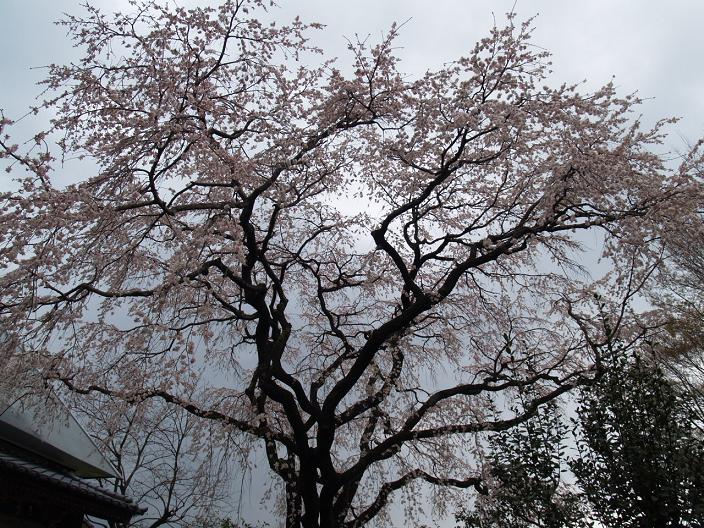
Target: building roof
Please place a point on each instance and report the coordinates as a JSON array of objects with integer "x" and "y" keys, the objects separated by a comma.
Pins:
[
  {"x": 53, "y": 433},
  {"x": 24, "y": 466}
]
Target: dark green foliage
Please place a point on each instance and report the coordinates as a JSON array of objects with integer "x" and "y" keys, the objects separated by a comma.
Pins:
[
  {"x": 527, "y": 488},
  {"x": 640, "y": 462}
]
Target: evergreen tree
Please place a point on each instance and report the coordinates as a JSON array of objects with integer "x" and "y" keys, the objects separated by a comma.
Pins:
[
  {"x": 527, "y": 489},
  {"x": 640, "y": 461}
]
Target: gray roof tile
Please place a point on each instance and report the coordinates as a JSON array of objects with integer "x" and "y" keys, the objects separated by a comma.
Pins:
[{"x": 16, "y": 460}]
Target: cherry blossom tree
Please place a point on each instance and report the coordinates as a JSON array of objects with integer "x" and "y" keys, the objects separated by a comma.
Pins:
[{"x": 351, "y": 268}]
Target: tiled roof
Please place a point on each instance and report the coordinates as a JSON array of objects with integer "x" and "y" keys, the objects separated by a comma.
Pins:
[{"x": 19, "y": 461}]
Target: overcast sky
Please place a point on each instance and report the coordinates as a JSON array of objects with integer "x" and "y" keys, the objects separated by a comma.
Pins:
[{"x": 652, "y": 46}]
